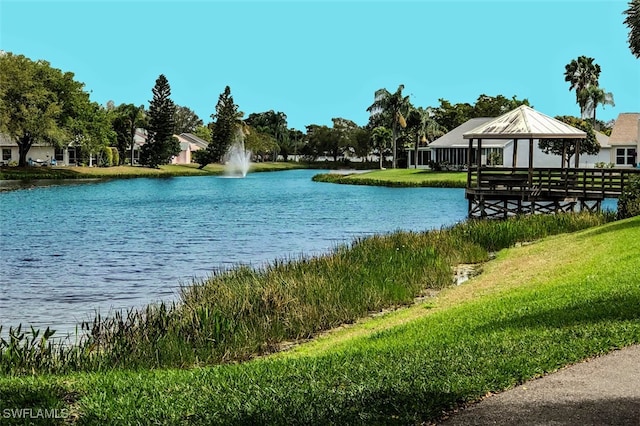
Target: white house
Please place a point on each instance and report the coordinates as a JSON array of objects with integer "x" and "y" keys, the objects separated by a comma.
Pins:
[
  {"x": 625, "y": 140},
  {"x": 452, "y": 150},
  {"x": 38, "y": 154},
  {"x": 69, "y": 155}
]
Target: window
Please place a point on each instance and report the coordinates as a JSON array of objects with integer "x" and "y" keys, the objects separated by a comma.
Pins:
[
  {"x": 59, "y": 154},
  {"x": 6, "y": 154},
  {"x": 625, "y": 156},
  {"x": 73, "y": 159}
]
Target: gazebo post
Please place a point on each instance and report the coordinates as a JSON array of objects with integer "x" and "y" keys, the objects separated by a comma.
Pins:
[
  {"x": 469, "y": 152},
  {"x": 577, "y": 154},
  {"x": 514, "y": 159},
  {"x": 479, "y": 159},
  {"x": 530, "y": 162}
]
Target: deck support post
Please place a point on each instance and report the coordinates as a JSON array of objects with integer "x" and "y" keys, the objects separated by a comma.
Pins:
[{"x": 479, "y": 160}]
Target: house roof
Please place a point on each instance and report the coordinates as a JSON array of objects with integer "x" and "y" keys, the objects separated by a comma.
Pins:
[
  {"x": 524, "y": 123},
  {"x": 193, "y": 139},
  {"x": 454, "y": 139},
  {"x": 603, "y": 140},
  {"x": 626, "y": 130}
]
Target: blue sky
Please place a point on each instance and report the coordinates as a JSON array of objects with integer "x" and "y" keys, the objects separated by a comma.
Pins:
[{"x": 318, "y": 60}]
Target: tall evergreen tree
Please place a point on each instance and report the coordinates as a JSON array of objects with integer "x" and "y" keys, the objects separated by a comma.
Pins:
[
  {"x": 225, "y": 130},
  {"x": 161, "y": 145}
]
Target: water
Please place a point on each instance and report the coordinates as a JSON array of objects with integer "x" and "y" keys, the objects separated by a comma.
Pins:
[{"x": 69, "y": 251}]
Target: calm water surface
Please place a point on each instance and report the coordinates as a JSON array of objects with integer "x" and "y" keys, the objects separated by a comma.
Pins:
[{"x": 69, "y": 251}]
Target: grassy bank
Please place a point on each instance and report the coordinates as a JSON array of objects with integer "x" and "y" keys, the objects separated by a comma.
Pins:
[
  {"x": 399, "y": 178},
  {"x": 534, "y": 309},
  {"x": 241, "y": 313},
  {"x": 30, "y": 173}
]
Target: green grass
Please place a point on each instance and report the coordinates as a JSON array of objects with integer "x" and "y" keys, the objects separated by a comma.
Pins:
[
  {"x": 534, "y": 309},
  {"x": 241, "y": 313},
  {"x": 399, "y": 178},
  {"x": 28, "y": 173}
]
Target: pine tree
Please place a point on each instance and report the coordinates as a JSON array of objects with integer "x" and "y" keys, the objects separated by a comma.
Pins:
[
  {"x": 224, "y": 130},
  {"x": 161, "y": 145}
]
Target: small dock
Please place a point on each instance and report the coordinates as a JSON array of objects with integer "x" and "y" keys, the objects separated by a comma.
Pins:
[{"x": 498, "y": 192}]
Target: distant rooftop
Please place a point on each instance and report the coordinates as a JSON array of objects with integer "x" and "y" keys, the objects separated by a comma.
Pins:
[
  {"x": 454, "y": 139},
  {"x": 626, "y": 130}
]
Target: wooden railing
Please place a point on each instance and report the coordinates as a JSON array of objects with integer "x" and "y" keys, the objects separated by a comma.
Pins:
[{"x": 595, "y": 183}]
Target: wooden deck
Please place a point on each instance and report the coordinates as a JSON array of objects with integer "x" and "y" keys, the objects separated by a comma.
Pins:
[{"x": 502, "y": 192}]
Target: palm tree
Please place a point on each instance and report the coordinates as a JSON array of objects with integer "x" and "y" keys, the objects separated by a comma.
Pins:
[
  {"x": 423, "y": 128},
  {"x": 581, "y": 73},
  {"x": 381, "y": 137},
  {"x": 593, "y": 96},
  {"x": 392, "y": 107},
  {"x": 633, "y": 22}
]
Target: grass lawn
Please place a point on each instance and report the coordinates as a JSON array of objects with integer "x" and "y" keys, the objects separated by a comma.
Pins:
[
  {"x": 10, "y": 173},
  {"x": 534, "y": 309},
  {"x": 400, "y": 177}
]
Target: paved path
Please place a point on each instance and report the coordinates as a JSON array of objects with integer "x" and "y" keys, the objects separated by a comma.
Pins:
[{"x": 602, "y": 391}]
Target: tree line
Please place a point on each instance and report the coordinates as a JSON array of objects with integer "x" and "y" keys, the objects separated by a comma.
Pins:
[{"x": 42, "y": 104}]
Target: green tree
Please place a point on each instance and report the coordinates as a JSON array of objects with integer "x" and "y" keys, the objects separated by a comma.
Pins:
[
  {"x": 629, "y": 201},
  {"x": 633, "y": 22},
  {"x": 39, "y": 104},
  {"x": 161, "y": 145},
  {"x": 593, "y": 96},
  {"x": 344, "y": 130},
  {"x": 296, "y": 142},
  {"x": 361, "y": 142},
  {"x": 323, "y": 140},
  {"x": 91, "y": 129},
  {"x": 422, "y": 128},
  {"x": 391, "y": 108},
  {"x": 203, "y": 132},
  {"x": 126, "y": 119},
  {"x": 495, "y": 106},
  {"x": 274, "y": 124},
  {"x": 186, "y": 120},
  {"x": 227, "y": 124},
  {"x": 450, "y": 115},
  {"x": 567, "y": 147},
  {"x": 261, "y": 144},
  {"x": 580, "y": 74},
  {"x": 382, "y": 139}
]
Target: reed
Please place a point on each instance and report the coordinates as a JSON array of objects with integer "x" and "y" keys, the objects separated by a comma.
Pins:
[{"x": 242, "y": 313}]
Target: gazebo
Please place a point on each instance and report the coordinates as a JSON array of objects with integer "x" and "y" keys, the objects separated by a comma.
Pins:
[{"x": 506, "y": 191}]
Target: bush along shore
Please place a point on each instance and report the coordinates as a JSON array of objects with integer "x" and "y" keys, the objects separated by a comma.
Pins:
[{"x": 242, "y": 313}]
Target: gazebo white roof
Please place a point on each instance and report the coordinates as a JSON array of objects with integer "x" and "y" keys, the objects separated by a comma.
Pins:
[{"x": 524, "y": 123}]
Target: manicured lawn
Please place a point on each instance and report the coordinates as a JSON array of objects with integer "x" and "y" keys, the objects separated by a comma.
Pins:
[
  {"x": 400, "y": 177},
  {"x": 534, "y": 309},
  {"x": 130, "y": 171}
]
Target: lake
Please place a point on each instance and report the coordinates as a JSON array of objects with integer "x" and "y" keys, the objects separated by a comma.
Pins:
[{"x": 68, "y": 251}]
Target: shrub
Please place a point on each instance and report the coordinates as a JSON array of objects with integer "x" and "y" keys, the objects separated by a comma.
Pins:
[
  {"x": 629, "y": 201},
  {"x": 105, "y": 158},
  {"x": 115, "y": 156}
]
